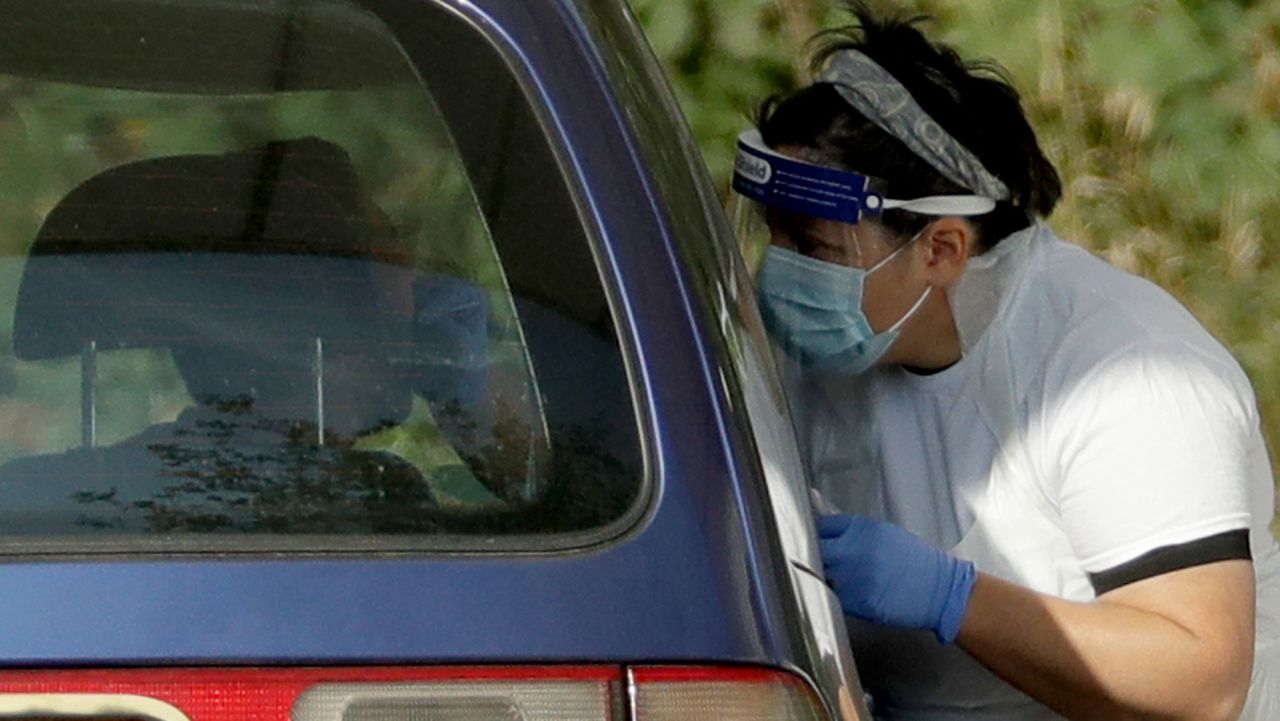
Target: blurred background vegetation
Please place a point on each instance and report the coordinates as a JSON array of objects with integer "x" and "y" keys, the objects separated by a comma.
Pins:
[{"x": 1161, "y": 116}]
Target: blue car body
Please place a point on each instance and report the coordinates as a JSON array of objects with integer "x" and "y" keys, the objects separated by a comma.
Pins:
[
  {"x": 704, "y": 570},
  {"x": 603, "y": 603}
]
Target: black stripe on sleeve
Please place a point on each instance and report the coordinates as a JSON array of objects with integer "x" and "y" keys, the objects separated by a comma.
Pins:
[{"x": 1229, "y": 546}]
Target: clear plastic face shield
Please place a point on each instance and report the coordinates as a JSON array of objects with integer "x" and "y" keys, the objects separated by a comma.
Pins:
[{"x": 795, "y": 221}]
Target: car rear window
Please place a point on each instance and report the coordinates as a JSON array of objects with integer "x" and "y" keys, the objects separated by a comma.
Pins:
[{"x": 272, "y": 278}]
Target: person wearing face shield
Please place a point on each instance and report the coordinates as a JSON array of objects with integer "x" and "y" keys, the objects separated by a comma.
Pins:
[{"x": 1048, "y": 490}]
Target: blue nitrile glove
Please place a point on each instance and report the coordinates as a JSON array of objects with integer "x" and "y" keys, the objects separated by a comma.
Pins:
[{"x": 883, "y": 574}]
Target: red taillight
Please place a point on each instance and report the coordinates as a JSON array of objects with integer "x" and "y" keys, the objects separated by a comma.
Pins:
[
  {"x": 550, "y": 693},
  {"x": 269, "y": 694}
]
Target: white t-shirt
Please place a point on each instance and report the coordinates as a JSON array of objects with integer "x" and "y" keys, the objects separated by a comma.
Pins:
[{"x": 1140, "y": 432}]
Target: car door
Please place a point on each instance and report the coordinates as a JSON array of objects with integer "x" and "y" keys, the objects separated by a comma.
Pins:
[{"x": 746, "y": 369}]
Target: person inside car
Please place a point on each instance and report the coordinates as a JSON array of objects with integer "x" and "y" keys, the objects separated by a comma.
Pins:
[{"x": 286, "y": 303}]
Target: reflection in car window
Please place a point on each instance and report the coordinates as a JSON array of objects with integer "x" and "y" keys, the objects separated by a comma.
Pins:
[{"x": 293, "y": 298}]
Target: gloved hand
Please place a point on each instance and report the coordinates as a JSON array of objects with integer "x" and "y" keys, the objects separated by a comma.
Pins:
[{"x": 883, "y": 574}]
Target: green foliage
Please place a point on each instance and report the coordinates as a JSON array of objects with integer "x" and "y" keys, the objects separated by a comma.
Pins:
[
  {"x": 723, "y": 58},
  {"x": 1159, "y": 114}
]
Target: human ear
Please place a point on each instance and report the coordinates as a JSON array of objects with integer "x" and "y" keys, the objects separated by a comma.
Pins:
[{"x": 947, "y": 243}]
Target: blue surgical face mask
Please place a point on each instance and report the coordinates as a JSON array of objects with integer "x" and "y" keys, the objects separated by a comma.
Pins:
[{"x": 814, "y": 309}]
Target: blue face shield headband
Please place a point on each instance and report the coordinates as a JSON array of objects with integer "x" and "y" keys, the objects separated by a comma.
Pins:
[{"x": 789, "y": 184}]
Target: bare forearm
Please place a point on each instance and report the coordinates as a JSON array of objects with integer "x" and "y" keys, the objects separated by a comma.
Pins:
[{"x": 1106, "y": 659}]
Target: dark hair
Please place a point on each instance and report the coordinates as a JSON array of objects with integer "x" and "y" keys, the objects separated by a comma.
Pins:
[{"x": 973, "y": 101}]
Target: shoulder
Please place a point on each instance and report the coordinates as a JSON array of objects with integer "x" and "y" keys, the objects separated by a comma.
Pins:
[
  {"x": 1078, "y": 291},
  {"x": 1088, "y": 325}
]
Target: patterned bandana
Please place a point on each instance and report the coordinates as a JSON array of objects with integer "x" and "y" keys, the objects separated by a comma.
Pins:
[{"x": 872, "y": 91}]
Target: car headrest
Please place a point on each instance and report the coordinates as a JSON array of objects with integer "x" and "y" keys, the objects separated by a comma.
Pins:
[
  {"x": 251, "y": 255},
  {"x": 276, "y": 242}
]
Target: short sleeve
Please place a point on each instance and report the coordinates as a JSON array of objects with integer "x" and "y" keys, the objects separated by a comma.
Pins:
[{"x": 1152, "y": 450}]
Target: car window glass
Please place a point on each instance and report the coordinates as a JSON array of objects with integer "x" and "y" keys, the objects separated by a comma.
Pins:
[{"x": 264, "y": 278}]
